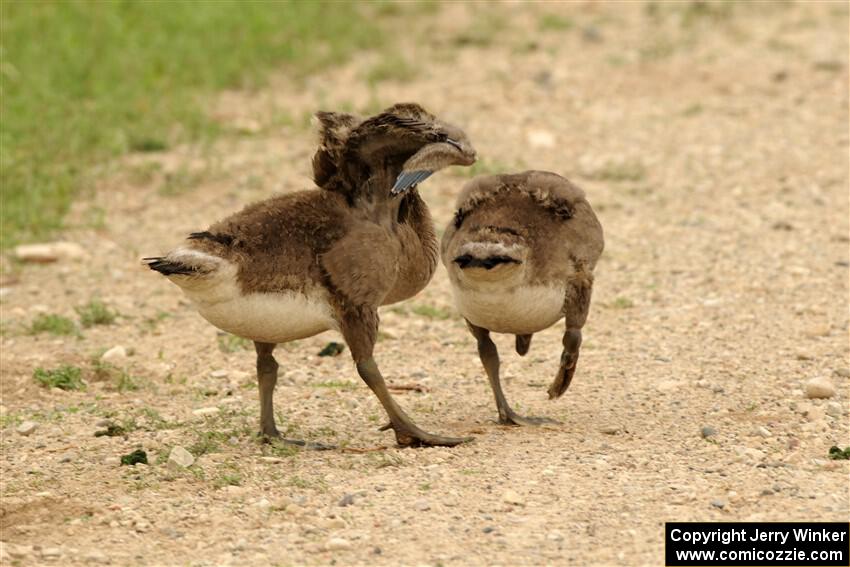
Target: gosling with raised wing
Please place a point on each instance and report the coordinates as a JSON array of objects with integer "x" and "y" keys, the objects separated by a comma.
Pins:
[{"x": 302, "y": 263}]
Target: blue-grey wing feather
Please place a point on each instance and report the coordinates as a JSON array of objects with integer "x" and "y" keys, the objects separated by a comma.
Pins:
[{"x": 408, "y": 179}]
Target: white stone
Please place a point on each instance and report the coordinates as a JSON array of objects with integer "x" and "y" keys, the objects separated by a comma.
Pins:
[
  {"x": 272, "y": 460},
  {"x": 206, "y": 411},
  {"x": 219, "y": 374},
  {"x": 763, "y": 431},
  {"x": 116, "y": 356},
  {"x": 49, "y": 252},
  {"x": 422, "y": 505},
  {"x": 512, "y": 497},
  {"x": 142, "y": 526},
  {"x": 819, "y": 387},
  {"x": 180, "y": 457},
  {"x": 19, "y": 551},
  {"x": 51, "y": 553},
  {"x": 337, "y": 544},
  {"x": 27, "y": 427}
]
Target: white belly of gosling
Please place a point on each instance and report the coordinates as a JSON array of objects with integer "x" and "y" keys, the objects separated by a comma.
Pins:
[
  {"x": 518, "y": 310},
  {"x": 264, "y": 317},
  {"x": 268, "y": 317}
]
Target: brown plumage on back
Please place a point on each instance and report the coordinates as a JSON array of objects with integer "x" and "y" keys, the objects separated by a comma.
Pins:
[
  {"x": 520, "y": 252},
  {"x": 302, "y": 263}
]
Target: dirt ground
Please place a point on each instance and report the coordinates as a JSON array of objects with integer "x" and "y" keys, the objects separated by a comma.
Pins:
[{"x": 713, "y": 144}]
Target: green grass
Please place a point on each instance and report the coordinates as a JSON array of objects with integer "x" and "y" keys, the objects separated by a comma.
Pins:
[
  {"x": 95, "y": 312},
  {"x": 392, "y": 67},
  {"x": 84, "y": 82},
  {"x": 838, "y": 454},
  {"x": 485, "y": 29},
  {"x": 65, "y": 377},
  {"x": 431, "y": 312},
  {"x": 622, "y": 303},
  {"x": 229, "y": 479},
  {"x": 53, "y": 324},
  {"x": 554, "y": 22},
  {"x": 232, "y": 343},
  {"x": 630, "y": 170}
]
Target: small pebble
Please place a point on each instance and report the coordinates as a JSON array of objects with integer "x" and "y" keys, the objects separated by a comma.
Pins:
[
  {"x": 763, "y": 431},
  {"x": 346, "y": 500},
  {"x": 48, "y": 252},
  {"x": 337, "y": 544},
  {"x": 219, "y": 373},
  {"x": 180, "y": 457},
  {"x": 142, "y": 526},
  {"x": 27, "y": 428},
  {"x": 610, "y": 429},
  {"x": 116, "y": 356},
  {"x": 708, "y": 431},
  {"x": 19, "y": 551},
  {"x": 206, "y": 411},
  {"x": 51, "y": 553},
  {"x": 834, "y": 409},
  {"x": 819, "y": 387},
  {"x": 489, "y": 529},
  {"x": 422, "y": 505},
  {"x": 717, "y": 503},
  {"x": 512, "y": 497}
]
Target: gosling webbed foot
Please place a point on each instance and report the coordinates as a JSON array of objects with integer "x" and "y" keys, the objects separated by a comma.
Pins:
[
  {"x": 408, "y": 435},
  {"x": 275, "y": 438},
  {"x": 513, "y": 418}
]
